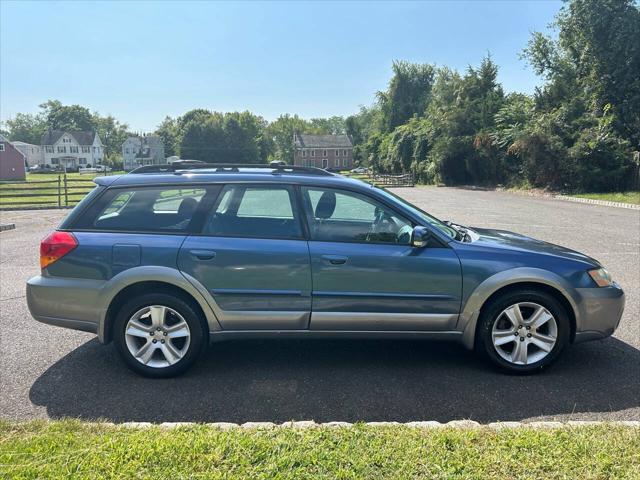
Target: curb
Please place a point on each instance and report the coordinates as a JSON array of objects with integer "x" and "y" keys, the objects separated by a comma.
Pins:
[
  {"x": 592, "y": 201},
  {"x": 302, "y": 425},
  {"x": 7, "y": 226}
]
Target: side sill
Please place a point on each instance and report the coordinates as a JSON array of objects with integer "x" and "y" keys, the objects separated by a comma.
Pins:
[
  {"x": 67, "y": 323},
  {"x": 219, "y": 336}
]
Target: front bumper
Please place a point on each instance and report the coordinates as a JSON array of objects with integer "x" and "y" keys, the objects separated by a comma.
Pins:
[
  {"x": 599, "y": 312},
  {"x": 65, "y": 302}
]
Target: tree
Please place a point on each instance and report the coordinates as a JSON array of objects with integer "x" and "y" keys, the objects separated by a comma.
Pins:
[
  {"x": 408, "y": 93},
  {"x": 168, "y": 131},
  {"x": 26, "y": 127},
  {"x": 67, "y": 117}
]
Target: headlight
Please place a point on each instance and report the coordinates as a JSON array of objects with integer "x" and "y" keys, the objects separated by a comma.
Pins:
[{"x": 601, "y": 277}]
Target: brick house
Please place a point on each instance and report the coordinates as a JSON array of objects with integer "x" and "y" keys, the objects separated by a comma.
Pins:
[
  {"x": 11, "y": 161},
  {"x": 332, "y": 152}
]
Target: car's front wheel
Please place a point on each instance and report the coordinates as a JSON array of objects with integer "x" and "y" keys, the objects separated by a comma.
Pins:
[
  {"x": 159, "y": 335},
  {"x": 523, "y": 331}
]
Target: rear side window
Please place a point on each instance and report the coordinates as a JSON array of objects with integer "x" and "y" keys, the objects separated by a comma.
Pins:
[
  {"x": 261, "y": 211},
  {"x": 144, "y": 209}
]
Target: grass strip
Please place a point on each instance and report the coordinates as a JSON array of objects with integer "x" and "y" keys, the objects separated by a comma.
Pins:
[
  {"x": 622, "y": 197},
  {"x": 72, "y": 449}
]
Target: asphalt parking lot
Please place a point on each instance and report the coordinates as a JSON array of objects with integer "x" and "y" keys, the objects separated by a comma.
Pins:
[{"x": 52, "y": 372}]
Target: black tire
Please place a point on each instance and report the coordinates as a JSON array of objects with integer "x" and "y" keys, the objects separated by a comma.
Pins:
[
  {"x": 491, "y": 313},
  {"x": 197, "y": 331}
]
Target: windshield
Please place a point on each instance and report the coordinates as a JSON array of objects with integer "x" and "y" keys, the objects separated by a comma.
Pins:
[{"x": 430, "y": 219}]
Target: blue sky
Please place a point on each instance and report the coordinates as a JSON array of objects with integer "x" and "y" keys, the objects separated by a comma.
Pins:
[{"x": 140, "y": 61}]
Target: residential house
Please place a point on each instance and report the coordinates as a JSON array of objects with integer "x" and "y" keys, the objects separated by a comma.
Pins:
[
  {"x": 12, "y": 161},
  {"x": 32, "y": 153},
  {"x": 332, "y": 152},
  {"x": 71, "y": 150},
  {"x": 142, "y": 150}
]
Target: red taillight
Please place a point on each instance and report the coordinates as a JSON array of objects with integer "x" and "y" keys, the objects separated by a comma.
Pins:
[{"x": 56, "y": 246}]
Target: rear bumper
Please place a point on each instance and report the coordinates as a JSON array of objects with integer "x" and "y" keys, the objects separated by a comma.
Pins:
[
  {"x": 65, "y": 302},
  {"x": 600, "y": 311}
]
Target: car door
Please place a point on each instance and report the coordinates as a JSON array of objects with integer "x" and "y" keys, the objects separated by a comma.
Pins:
[
  {"x": 367, "y": 276},
  {"x": 253, "y": 259}
]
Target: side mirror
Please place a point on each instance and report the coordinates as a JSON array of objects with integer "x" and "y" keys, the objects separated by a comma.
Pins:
[{"x": 420, "y": 236}]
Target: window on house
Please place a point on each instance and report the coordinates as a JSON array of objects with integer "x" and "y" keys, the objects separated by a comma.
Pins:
[
  {"x": 313, "y": 153},
  {"x": 86, "y": 150},
  {"x": 304, "y": 153},
  {"x": 54, "y": 161},
  {"x": 324, "y": 153},
  {"x": 344, "y": 152},
  {"x": 1, "y": 147},
  {"x": 345, "y": 162},
  {"x": 62, "y": 149},
  {"x": 337, "y": 162},
  {"x": 73, "y": 149},
  {"x": 337, "y": 152},
  {"x": 49, "y": 149},
  {"x": 83, "y": 161},
  {"x": 325, "y": 162}
]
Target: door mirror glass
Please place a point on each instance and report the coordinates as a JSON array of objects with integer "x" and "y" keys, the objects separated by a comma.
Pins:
[{"x": 420, "y": 236}]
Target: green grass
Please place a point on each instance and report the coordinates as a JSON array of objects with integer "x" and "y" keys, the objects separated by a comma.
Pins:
[
  {"x": 623, "y": 197},
  {"x": 47, "y": 192},
  {"x": 71, "y": 449}
]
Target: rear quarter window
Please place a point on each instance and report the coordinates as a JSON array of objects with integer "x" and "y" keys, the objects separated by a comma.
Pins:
[{"x": 144, "y": 209}]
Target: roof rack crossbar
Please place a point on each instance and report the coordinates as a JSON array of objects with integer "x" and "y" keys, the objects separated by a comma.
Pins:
[{"x": 275, "y": 167}]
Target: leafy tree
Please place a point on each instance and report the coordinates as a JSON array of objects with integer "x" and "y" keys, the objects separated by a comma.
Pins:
[
  {"x": 26, "y": 127},
  {"x": 67, "y": 117},
  {"x": 168, "y": 130}
]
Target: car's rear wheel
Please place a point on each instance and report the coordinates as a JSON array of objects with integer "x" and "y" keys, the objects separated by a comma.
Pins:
[
  {"x": 523, "y": 331},
  {"x": 159, "y": 335}
]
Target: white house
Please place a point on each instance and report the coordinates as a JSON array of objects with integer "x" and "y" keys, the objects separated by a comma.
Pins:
[
  {"x": 145, "y": 150},
  {"x": 32, "y": 153},
  {"x": 71, "y": 150}
]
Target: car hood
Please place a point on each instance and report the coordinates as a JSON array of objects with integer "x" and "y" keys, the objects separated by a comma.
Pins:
[{"x": 515, "y": 241}]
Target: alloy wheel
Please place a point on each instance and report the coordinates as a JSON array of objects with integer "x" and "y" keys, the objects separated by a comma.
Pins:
[
  {"x": 157, "y": 336},
  {"x": 524, "y": 333}
]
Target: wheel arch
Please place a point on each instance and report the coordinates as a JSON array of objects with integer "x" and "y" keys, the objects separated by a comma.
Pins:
[
  {"x": 503, "y": 282},
  {"x": 151, "y": 279}
]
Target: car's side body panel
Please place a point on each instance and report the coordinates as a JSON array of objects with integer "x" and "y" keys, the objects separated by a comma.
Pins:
[
  {"x": 384, "y": 287},
  {"x": 256, "y": 283}
]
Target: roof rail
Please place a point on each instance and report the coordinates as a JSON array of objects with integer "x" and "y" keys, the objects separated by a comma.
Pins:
[{"x": 275, "y": 167}]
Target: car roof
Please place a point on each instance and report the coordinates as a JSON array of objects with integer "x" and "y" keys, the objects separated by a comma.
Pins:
[{"x": 203, "y": 176}]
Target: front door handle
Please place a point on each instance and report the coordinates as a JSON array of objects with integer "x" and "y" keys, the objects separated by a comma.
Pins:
[
  {"x": 203, "y": 254},
  {"x": 334, "y": 259}
]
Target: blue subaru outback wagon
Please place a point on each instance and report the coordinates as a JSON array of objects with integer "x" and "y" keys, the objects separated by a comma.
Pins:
[{"x": 165, "y": 260}]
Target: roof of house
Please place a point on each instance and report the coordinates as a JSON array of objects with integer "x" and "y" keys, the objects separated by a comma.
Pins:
[
  {"x": 322, "y": 141},
  {"x": 3, "y": 138},
  {"x": 83, "y": 138}
]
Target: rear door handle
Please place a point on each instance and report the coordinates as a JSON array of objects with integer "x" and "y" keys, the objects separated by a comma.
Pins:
[
  {"x": 334, "y": 259},
  {"x": 203, "y": 254}
]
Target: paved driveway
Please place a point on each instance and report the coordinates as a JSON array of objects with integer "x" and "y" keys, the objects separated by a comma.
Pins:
[{"x": 51, "y": 372}]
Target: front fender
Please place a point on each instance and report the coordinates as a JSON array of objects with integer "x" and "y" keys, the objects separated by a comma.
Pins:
[
  {"x": 154, "y": 274},
  {"x": 471, "y": 310}
]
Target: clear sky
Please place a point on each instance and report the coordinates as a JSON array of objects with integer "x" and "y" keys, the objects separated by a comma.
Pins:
[{"x": 140, "y": 61}]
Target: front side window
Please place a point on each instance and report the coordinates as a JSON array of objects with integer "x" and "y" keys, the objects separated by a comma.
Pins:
[
  {"x": 86, "y": 150},
  {"x": 48, "y": 149},
  {"x": 343, "y": 216},
  {"x": 62, "y": 149},
  {"x": 144, "y": 209},
  {"x": 255, "y": 211}
]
